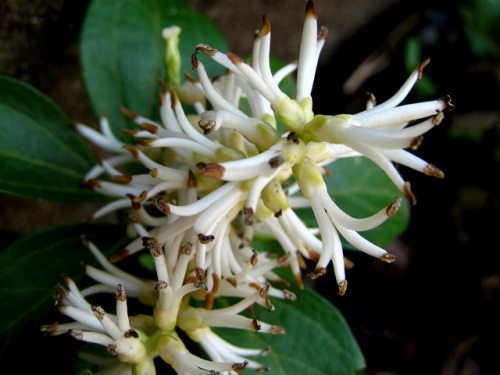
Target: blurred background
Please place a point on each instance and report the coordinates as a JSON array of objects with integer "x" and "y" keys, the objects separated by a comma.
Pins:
[{"x": 436, "y": 309}]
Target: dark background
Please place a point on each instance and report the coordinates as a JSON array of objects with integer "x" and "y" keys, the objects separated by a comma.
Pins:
[{"x": 435, "y": 310}]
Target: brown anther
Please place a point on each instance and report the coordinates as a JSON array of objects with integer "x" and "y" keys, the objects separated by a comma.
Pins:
[
  {"x": 133, "y": 200},
  {"x": 131, "y": 115},
  {"x": 163, "y": 85},
  {"x": 436, "y": 120},
  {"x": 283, "y": 260},
  {"x": 190, "y": 78},
  {"x": 130, "y": 132},
  {"x": 153, "y": 129},
  {"x": 433, "y": 171},
  {"x": 289, "y": 295},
  {"x": 264, "y": 291},
  {"x": 206, "y": 49},
  {"x": 132, "y": 150},
  {"x": 213, "y": 170},
  {"x": 371, "y": 99},
  {"x": 186, "y": 248},
  {"x": 416, "y": 142},
  {"x": 207, "y": 126},
  {"x": 342, "y": 287},
  {"x": 393, "y": 207},
  {"x": 64, "y": 275},
  {"x": 236, "y": 60},
  {"x": 281, "y": 281},
  {"x": 98, "y": 312},
  {"x": 269, "y": 305},
  {"x": 263, "y": 369},
  {"x": 201, "y": 284},
  {"x": 210, "y": 297},
  {"x": 154, "y": 172},
  {"x": 194, "y": 60},
  {"x": 123, "y": 179},
  {"x": 204, "y": 239},
  {"x": 278, "y": 213},
  {"x": 265, "y": 28},
  {"x": 348, "y": 264},
  {"x": 144, "y": 142},
  {"x": 162, "y": 205},
  {"x": 276, "y": 161},
  {"x": 311, "y": 9},
  {"x": 301, "y": 260},
  {"x": 231, "y": 280},
  {"x": 318, "y": 272},
  {"x": 216, "y": 285},
  {"x": 388, "y": 258},
  {"x": 200, "y": 278},
  {"x": 131, "y": 333},
  {"x": 421, "y": 67},
  {"x": 76, "y": 333},
  {"x": 254, "y": 258},
  {"x": 175, "y": 98},
  {"x": 314, "y": 256},
  {"x": 298, "y": 280},
  {"x": 161, "y": 284},
  {"x": 50, "y": 329},
  {"x": 120, "y": 293},
  {"x": 256, "y": 325},
  {"x": 447, "y": 100},
  {"x": 248, "y": 215},
  {"x": 192, "y": 183},
  {"x": 276, "y": 330},
  {"x": 61, "y": 291},
  {"x": 323, "y": 33},
  {"x": 237, "y": 367},
  {"x": 190, "y": 279},
  {"x": 119, "y": 255},
  {"x": 255, "y": 285},
  {"x": 409, "y": 194},
  {"x": 153, "y": 246},
  {"x": 92, "y": 183},
  {"x": 142, "y": 197},
  {"x": 112, "y": 349}
]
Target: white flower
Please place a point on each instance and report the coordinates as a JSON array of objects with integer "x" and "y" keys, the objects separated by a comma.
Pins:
[{"x": 214, "y": 180}]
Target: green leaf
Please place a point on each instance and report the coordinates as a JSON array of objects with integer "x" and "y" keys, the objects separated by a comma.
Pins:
[
  {"x": 41, "y": 156},
  {"x": 361, "y": 189},
  {"x": 123, "y": 53},
  {"x": 31, "y": 266},
  {"x": 317, "y": 339}
]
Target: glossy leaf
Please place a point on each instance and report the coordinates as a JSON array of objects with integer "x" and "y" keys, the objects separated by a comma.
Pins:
[
  {"x": 123, "y": 53},
  {"x": 317, "y": 341},
  {"x": 41, "y": 156}
]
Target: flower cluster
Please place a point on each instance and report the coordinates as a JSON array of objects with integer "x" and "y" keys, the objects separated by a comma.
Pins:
[{"x": 215, "y": 179}]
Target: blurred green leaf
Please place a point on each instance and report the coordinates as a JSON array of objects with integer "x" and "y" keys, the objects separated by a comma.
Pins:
[
  {"x": 317, "y": 339},
  {"x": 482, "y": 27},
  {"x": 31, "y": 266},
  {"x": 122, "y": 53},
  {"x": 41, "y": 156}
]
